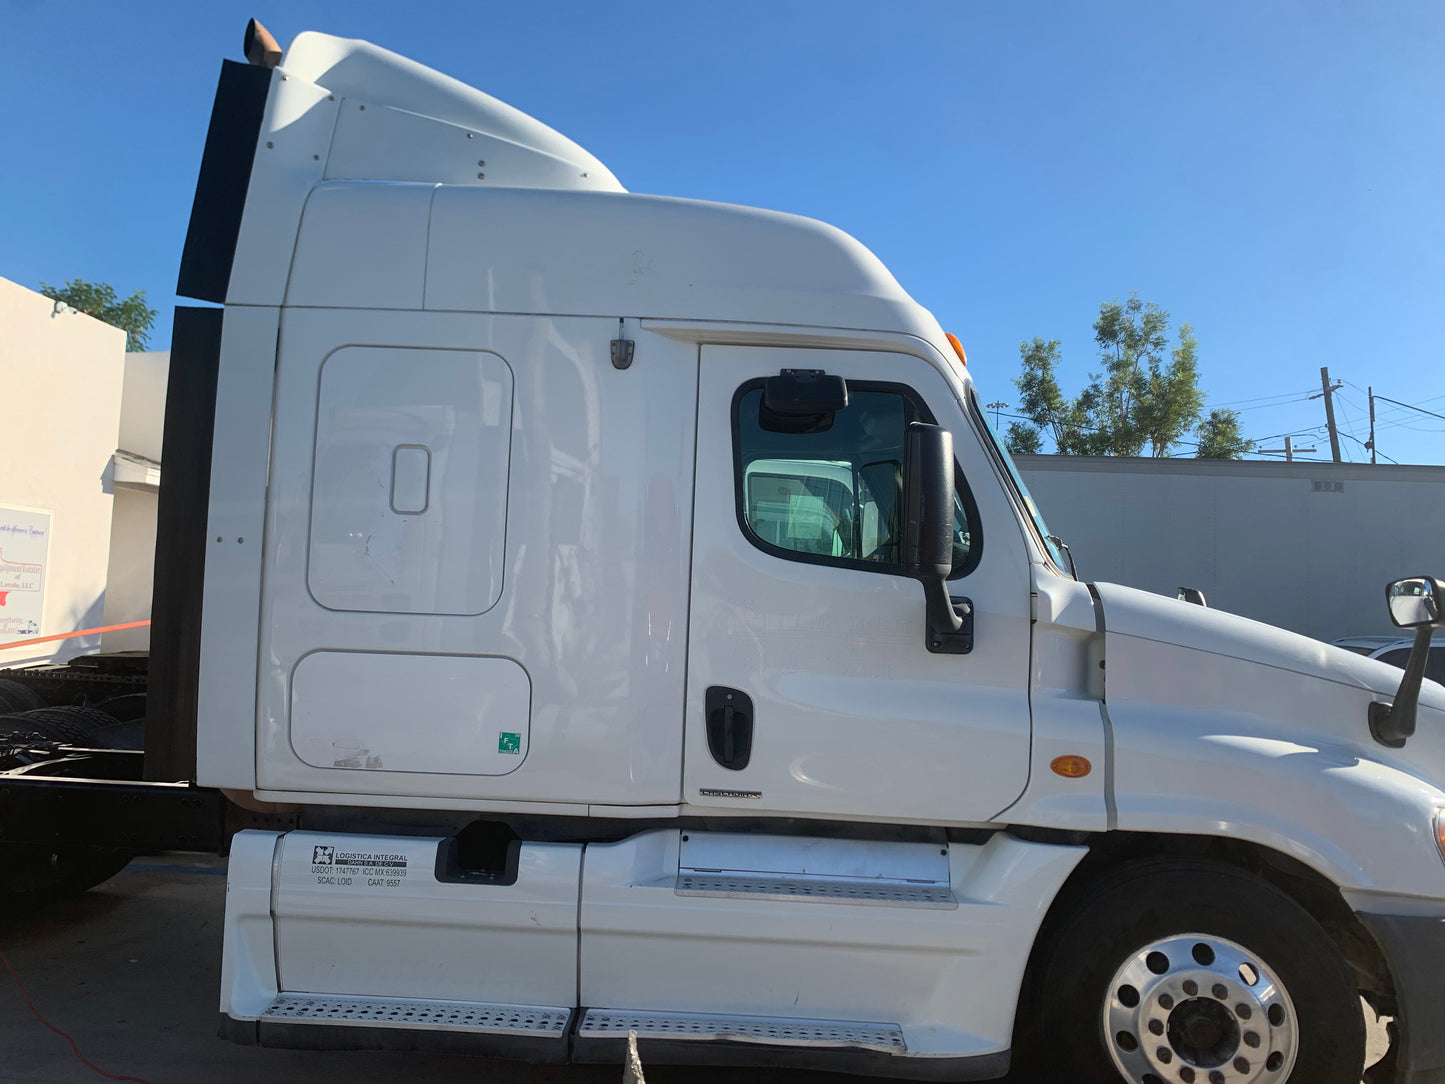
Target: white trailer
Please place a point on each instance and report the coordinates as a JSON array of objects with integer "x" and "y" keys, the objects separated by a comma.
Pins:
[{"x": 625, "y": 610}]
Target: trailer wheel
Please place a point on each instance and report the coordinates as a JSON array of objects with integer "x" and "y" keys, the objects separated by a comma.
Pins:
[
  {"x": 1194, "y": 971},
  {"x": 33, "y": 876}
]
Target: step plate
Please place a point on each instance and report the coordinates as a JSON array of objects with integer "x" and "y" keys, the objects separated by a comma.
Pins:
[
  {"x": 887, "y": 894},
  {"x": 780, "y": 1031},
  {"x": 470, "y": 1017}
]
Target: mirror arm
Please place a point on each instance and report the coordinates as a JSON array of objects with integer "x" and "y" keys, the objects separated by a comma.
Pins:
[
  {"x": 1392, "y": 724},
  {"x": 949, "y": 620}
]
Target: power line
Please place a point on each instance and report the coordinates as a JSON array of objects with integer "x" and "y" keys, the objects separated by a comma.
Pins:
[
  {"x": 1315, "y": 431},
  {"x": 1267, "y": 406},
  {"x": 1428, "y": 399},
  {"x": 1362, "y": 444},
  {"x": 1262, "y": 398},
  {"x": 1411, "y": 406}
]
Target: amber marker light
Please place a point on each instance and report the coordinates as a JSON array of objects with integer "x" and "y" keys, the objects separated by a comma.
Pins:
[
  {"x": 957, "y": 347},
  {"x": 1071, "y": 766},
  {"x": 1440, "y": 831}
]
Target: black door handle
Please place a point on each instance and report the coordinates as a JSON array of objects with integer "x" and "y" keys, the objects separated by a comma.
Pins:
[{"x": 729, "y": 715}]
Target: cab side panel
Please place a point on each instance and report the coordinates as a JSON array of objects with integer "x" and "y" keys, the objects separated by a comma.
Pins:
[{"x": 476, "y": 561}]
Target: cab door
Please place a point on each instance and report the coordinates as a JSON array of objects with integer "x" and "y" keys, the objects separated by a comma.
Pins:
[{"x": 810, "y": 687}]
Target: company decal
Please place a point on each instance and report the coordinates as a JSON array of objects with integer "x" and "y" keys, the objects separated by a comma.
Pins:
[{"x": 342, "y": 868}]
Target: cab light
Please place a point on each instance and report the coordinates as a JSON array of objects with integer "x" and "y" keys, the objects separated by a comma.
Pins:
[
  {"x": 957, "y": 347},
  {"x": 1072, "y": 766}
]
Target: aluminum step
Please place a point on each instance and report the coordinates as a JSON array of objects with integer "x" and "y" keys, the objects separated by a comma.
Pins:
[
  {"x": 775, "y": 1031},
  {"x": 416, "y": 1014},
  {"x": 830, "y": 890}
]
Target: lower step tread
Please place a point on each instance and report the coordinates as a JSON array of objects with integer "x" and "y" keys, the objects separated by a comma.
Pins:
[
  {"x": 782, "y": 1031},
  {"x": 420, "y": 1014}
]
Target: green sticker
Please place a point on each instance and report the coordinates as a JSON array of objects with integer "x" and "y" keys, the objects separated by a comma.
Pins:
[{"x": 508, "y": 742}]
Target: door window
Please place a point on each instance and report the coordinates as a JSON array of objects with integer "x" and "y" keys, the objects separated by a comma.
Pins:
[{"x": 828, "y": 488}]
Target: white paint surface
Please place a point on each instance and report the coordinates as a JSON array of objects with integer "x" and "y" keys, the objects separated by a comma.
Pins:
[
  {"x": 441, "y": 550},
  {"x": 950, "y": 978},
  {"x": 854, "y": 717},
  {"x": 594, "y": 600},
  {"x": 62, "y": 374},
  {"x": 359, "y": 914},
  {"x": 410, "y": 713}
]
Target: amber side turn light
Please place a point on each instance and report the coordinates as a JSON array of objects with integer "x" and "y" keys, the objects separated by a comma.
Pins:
[
  {"x": 957, "y": 347},
  {"x": 1071, "y": 766}
]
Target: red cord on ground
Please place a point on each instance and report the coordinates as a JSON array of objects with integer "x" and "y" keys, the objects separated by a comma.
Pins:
[{"x": 36, "y": 1013}]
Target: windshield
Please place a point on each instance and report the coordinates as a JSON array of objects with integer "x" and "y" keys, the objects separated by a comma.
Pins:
[{"x": 1050, "y": 541}]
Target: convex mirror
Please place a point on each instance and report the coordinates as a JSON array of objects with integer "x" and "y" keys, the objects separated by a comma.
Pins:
[{"x": 1416, "y": 603}]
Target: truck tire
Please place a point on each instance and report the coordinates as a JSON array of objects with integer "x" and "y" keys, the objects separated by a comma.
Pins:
[
  {"x": 66, "y": 724},
  {"x": 32, "y": 876},
  {"x": 17, "y": 697},
  {"x": 1197, "y": 972}
]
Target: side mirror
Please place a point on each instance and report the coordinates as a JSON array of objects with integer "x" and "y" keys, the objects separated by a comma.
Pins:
[
  {"x": 928, "y": 502},
  {"x": 927, "y": 528},
  {"x": 1416, "y": 603}
]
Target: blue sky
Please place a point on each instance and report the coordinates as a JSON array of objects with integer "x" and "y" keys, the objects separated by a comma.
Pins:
[{"x": 1273, "y": 173}]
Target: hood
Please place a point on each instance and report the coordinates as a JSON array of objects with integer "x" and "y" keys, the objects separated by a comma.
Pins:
[
  {"x": 1134, "y": 613},
  {"x": 1218, "y": 725}
]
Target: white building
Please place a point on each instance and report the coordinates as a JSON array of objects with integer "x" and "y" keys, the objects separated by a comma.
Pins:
[{"x": 79, "y": 473}]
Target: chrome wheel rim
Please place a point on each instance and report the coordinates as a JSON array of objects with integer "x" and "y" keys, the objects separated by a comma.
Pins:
[{"x": 1198, "y": 1009}]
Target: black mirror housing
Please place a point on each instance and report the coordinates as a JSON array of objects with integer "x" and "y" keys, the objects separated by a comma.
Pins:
[
  {"x": 927, "y": 542},
  {"x": 928, "y": 502},
  {"x": 1418, "y": 603}
]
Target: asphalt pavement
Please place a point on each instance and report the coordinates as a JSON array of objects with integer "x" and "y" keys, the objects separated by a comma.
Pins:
[{"x": 131, "y": 971}]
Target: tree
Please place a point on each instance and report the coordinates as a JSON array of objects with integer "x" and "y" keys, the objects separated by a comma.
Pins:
[
  {"x": 1139, "y": 398},
  {"x": 98, "y": 299},
  {"x": 1219, "y": 437},
  {"x": 1023, "y": 439},
  {"x": 1069, "y": 421}
]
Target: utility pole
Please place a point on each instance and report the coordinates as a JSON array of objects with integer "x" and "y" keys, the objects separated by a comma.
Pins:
[
  {"x": 1288, "y": 450},
  {"x": 1330, "y": 412},
  {"x": 1371, "y": 445}
]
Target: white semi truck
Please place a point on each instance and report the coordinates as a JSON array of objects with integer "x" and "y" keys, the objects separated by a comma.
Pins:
[{"x": 617, "y": 615}]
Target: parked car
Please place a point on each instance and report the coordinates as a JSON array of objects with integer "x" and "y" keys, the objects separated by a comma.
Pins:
[
  {"x": 1395, "y": 651},
  {"x": 1367, "y": 645},
  {"x": 1398, "y": 653}
]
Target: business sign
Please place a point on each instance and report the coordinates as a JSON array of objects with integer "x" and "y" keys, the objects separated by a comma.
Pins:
[{"x": 24, "y": 552}]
